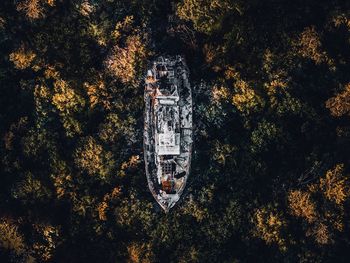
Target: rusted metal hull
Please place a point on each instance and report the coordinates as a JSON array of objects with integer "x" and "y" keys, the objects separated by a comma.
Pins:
[{"x": 167, "y": 129}]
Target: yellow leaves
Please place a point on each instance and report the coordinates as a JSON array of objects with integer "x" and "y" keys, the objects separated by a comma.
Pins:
[
  {"x": 68, "y": 102},
  {"x": 193, "y": 208},
  {"x": 98, "y": 31},
  {"x": 98, "y": 94},
  {"x": 339, "y": 105},
  {"x": 220, "y": 93},
  {"x": 301, "y": 205},
  {"x": 127, "y": 59},
  {"x": 32, "y": 8},
  {"x": 45, "y": 240},
  {"x": 42, "y": 92},
  {"x": 22, "y": 58},
  {"x": 269, "y": 225},
  {"x": 232, "y": 73},
  {"x": 206, "y": 15},
  {"x": 51, "y": 2},
  {"x": 278, "y": 78},
  {"x": 116, "y": 192},
  {"x": 309, "y": 46},
  {"x": 209, "y": 53},
  {"x": 92, "y": 158},
  {"x": 335, "y": 185},
  {"x": 114, "y": 128},
  {"x": 89, "y": 156},
  {"x": 246, "y": 99},
  {"x": 62, "y": 179},
  {"x": 322, "y": 218},
  {"x": 101, "y": 208},
  {"x": 133, "y": 210},
  {"x": 132, "y": 163},
  {"x": 42, "y": 99},
  {"x": 320, "y": 232},
  {"x": 66, "y": 99},
  {"x": 10, "y": 238},
  {"x": 86, "y": 8},
  {"x": 60, "y": 183},
  {"x": 276, "y": 84},
  {"x": 14, "y": 129},
  {"x": 140, "y": 253},
  {"x": 197, "y": 206},
  {"x": 51, "y": 72},
  {"x": 341, "y": 19},
  {"x": 45, "y": 247},
  {"x": 123, "y": 26},
  {"x": 125, "y": 63}
]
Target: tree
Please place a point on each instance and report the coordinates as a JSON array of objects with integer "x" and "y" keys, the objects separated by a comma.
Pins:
[
  {"x": 98, "y": 94},
  {"x": 126, "y": 63},
  {"x": 339, "y": 105},
  {"x": 68, "y": 103},
  {"x": 10, "y": 238},
  {"x": 31, "y": 191},
  {"x": 46, "y": 239},
  {"x": 335, "y": 185},
  {"x": 114, "y": 129},
  {"x": 140, "y": 253},
  {"x": 22, "y": 58},
  {"x": 263, "y": 135},
  {"x": 246, "y": 99},
  {"x": 316, "y": 206},
  {"x": 206, "y": 15},
  {"x": 310, "y": 46},
  {"x": 301, "y": 205},
  {"x": 269, "y": 226},
  {"x": 33, "y": 9},
  {"x": 126, "y": 59},
  {"x": 93, "y": 159}
]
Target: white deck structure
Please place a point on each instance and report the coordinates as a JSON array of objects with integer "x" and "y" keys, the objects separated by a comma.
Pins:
[{"x": 168, "y": 129}]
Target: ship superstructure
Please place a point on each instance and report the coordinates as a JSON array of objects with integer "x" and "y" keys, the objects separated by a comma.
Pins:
[{"x": 167, "y": 129}]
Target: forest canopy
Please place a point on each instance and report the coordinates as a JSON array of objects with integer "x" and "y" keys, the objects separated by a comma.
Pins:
[{"x": 270, "y": 171}]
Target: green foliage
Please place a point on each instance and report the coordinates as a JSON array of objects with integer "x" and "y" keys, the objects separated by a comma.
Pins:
[
  {"x": 269, "y": 177},
  {"x": 93, "y": 159},
  {"x": 31, "y": 190},
  {"x": 207, "y": 16},
  {"x": 263, "y": 135},
  {"x": 68, "y": 102},
  {"x": 10, "y": 238},
  {"x": 322, "y": 206}
]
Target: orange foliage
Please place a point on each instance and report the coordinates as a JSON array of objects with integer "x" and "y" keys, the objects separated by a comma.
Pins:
[
  {"x": 22, "y": 57},
  {"x": 32, "y": 8},
  {"x": 339, "y": 105},
  {"x": 310, "y": 45},
  {"x": 301, "y": 205},
  {"x": 269, "y": 225},
  {"x": 335, "y": 185}
]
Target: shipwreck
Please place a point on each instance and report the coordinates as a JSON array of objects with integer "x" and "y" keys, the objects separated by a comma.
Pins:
[{"x": 167, "y": 129}]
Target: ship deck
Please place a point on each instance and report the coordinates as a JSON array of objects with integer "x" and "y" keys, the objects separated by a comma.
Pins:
[{"x": 168, "y": 129}]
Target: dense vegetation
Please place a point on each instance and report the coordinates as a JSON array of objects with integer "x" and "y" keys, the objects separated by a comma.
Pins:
[{"x": 270, "y": 173}]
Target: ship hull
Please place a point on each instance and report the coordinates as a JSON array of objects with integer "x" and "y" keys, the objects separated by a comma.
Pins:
[{"x": 167, "y": 129}]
